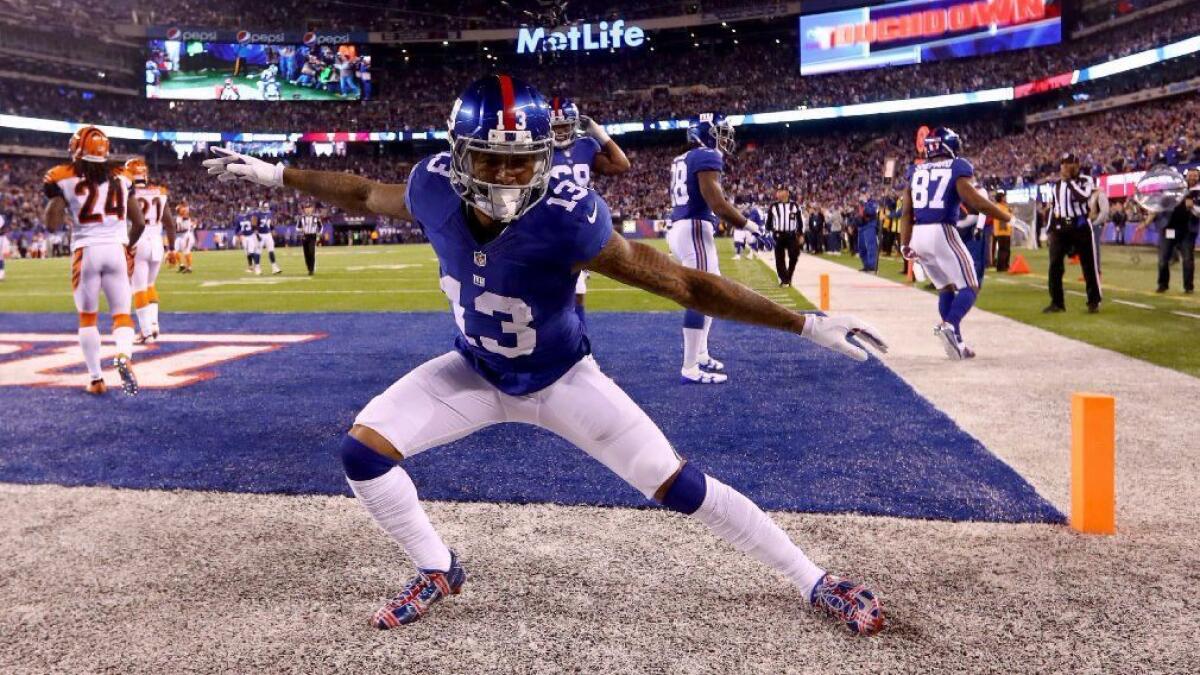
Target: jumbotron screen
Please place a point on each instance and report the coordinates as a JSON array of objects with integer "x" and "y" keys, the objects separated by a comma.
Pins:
[
  {"x": 916, "y": 31},
  {"x": 179, "y": 69}
]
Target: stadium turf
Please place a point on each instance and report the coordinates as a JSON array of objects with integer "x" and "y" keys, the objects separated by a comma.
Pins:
[
  {"x": 1133, "y": 320},
  {"x": 348, "y": 279}
]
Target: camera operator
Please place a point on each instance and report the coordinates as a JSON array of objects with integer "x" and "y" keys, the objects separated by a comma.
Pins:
[
  {"x": 1178, "y": 232},
  {"x": 1071, "y": 210}
]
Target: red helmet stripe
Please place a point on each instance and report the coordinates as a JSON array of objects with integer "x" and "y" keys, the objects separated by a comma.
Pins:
[
  {"x": 555, "y": 104},
  {"x": 507, "y": 100}
]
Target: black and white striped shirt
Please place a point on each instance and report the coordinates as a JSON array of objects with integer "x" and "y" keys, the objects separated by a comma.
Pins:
[
  {"x": 784, "y": 217},
  {"x": 310, "y": 224},
  {"x": 1070, "y": 198}
]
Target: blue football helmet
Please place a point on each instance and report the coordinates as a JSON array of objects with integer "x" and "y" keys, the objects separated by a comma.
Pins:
[
  {"x": 500, "y": 123},
  {"x": 942, "y": 142},
  {"x": 712, "y": 130},
  {"x": 564, "y": 121}
]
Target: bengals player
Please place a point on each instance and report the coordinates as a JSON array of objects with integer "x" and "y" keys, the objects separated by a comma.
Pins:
[
  {"x": 95, "y": 198},
  {"x": 185, "y": 238},
  {"x": 148, "y": 256}
]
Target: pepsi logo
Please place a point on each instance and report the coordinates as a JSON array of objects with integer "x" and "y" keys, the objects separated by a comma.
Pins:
[
  {"x": 243, "y": 36},
  {"x": 310, "y": 38},
  {"x": 173, "y": 33}
]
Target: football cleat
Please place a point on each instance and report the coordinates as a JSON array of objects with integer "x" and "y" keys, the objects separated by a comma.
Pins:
[
  {"x": 421, "y": 593},
  {"x": 945, "y": 332},
  {"x": 96, "y": 387},
  {"x": 146, "y": 339},
  {"x": 125, "y": 369},
  {"x": 711, "y": 364},
  {"x": 850, "y": 603},
  {"x": 276, "y": 270},
  {"x": 966, "y": 351},
  {"x": 697, "y": 376}
]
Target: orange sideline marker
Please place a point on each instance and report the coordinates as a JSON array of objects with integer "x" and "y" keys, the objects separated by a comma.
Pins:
[
  {"x": 824, "y": 293},
  {"x": 1093, "y": 455},
  {"x": 1019, "y": 266}
]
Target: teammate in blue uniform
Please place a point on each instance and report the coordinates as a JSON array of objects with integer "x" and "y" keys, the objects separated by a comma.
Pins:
[
  {"x": 696, "y": 201},
  {"x": 764, "y": 240},
  {"x": 582, "y": 148},
  {"x": 264, "y": 227},
  {"x": 247, "y": 230},
  {"x": 868, "y": 234},
  {"x": 510, "y": 241},
  {"x": 936, "y": 188}
]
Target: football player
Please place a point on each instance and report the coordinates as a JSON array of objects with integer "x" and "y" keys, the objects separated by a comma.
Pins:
[
  {"x": 928, "y": 232},
  {"x": 696, "y": 201},
  {"x": 185, "y": 237},
  {"x": 247, "y": 229},
  {"x": 508, "y": 259},
  {"x": 95, "y": 198},
  {"x": 228, "y": 91},
  {"x": 264, "y": 227},
  {"x": 581, "y": 147},
  {"x": 148, "y": 256}
]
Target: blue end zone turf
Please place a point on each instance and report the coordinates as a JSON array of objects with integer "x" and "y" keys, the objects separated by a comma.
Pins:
[{"x": 797, "y": 428}]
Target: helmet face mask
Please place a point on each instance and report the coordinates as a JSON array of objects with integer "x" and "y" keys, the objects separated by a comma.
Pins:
[{"x": 502, "y": 147}]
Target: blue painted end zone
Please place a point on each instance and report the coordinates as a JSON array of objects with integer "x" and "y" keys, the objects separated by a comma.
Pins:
[{"x": 797, "y": 428}]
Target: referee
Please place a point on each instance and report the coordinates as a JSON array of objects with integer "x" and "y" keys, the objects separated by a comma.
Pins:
[
  {"x": 784, "y": 220},
  {"x": 310, "y": 227},
  {"x": 1070, "y": 211}
]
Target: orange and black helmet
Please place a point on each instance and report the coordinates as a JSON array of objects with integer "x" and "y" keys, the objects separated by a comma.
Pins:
[
  {"x": 182, "y": 209},
  {"x": 89, "y": 144},
  {"x": 137, "y": 170}
]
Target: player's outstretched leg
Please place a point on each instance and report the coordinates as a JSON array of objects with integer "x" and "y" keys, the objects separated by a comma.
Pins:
[
  {"x": 89, "y": 344},
  {"x": 739, "y": 521},
  {"x": 388, "y": 494}
]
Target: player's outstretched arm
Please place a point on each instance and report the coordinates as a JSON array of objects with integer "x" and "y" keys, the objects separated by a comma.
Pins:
[
  {"x": 977, "y": 202},
  {"x": 714, "y": 196},
  {"x": 644, "y": 267},
  {"x": 345, "y": 190}
]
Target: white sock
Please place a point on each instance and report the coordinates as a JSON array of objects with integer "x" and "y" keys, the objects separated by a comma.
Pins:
[
  {"x": 740, "y": 522},
  {"x": 691, "y": 347},
  {"x": 704, "y": 337},
  {"x": 391, "y": 499},
  {"x": 123, "y": 336},
  {"x": 153, "y": 307},
  {"x": 145, "y": 319},
  {"x": 89, "y": 342}
]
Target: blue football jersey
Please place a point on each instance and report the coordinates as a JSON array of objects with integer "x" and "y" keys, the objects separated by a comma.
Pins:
[
  {"x": 755, "y": 215},
  {"x": 934, "y": 192},
  {"x": 264, "y": 222},
  {"x": 575, "y": 162},
  {"x": 245, "y": 225},
  {"x": 686, "y": 201},
  {"x": 513, "y": 298}
]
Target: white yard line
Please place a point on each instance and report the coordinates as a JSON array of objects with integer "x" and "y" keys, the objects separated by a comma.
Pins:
[{"x": 1016, "y": 395}]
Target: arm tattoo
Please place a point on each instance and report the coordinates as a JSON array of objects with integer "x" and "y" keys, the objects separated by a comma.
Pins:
[{"x": 643, "y": 267}]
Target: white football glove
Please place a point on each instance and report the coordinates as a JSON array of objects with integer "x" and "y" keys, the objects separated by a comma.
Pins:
[
  {"x": 234, "y": 165},
  {"x": 907, "y": 253},
  {"x": 752, "y": 227},
  {"x": 591, "y": 128},
  {"x": 841, "y": 334}
]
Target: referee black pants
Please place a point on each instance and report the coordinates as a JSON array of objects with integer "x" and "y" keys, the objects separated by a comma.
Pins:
[
  {"x": 787, "y": 254},
  {"x": 1064, "y": 241},
  {"x": 1186, "y": 245},
  {"x": 310, "y": 252}
]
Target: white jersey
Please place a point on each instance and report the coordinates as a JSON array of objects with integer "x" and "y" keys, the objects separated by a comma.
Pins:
[
  {"x": 184, "y": 225},
  {"x": 95, "y": 215},
  {"x": 152, "y": 199}
]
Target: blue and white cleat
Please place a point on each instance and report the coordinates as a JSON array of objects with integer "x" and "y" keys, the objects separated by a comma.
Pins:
[
  {"x": 421, "y": 593},
  {"x": 710, "y": 364},
  {"x": 124, "y": 368},
  {"x": 850, "y": 603},
  {"x": 697, "y": 376},
  {"x": 945, "y": 332}
]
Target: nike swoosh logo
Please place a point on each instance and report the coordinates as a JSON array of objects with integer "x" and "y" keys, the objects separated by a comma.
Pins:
[{"x": 595, "y": 209}]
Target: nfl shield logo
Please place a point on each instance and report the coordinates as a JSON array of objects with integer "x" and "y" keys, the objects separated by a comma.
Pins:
[{"x": 480, "y": 258}]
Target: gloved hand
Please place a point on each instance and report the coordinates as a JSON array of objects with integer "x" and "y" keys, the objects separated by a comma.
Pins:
[
  {"x": 752, "y": 227},
  {"x": 234, "y": 165},
  {"x": 907, "y": 253},
  {"x": 591, "y": 128},
  {"x": 841, "y": 334}
]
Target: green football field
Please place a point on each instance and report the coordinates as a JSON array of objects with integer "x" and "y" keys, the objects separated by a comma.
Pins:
[
  {"x": 349, "y": 279},
  {"x": 1133, "y": 319},
  {"x": 202, "y": 85}
]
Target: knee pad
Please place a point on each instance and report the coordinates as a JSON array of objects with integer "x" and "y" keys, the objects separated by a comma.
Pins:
[
  {"x": 688, "y": 491},
  {"x": 361, "y": 462}
]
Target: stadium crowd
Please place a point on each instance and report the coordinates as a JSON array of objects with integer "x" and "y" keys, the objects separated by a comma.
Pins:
[{"x": 612, "y": 88}]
